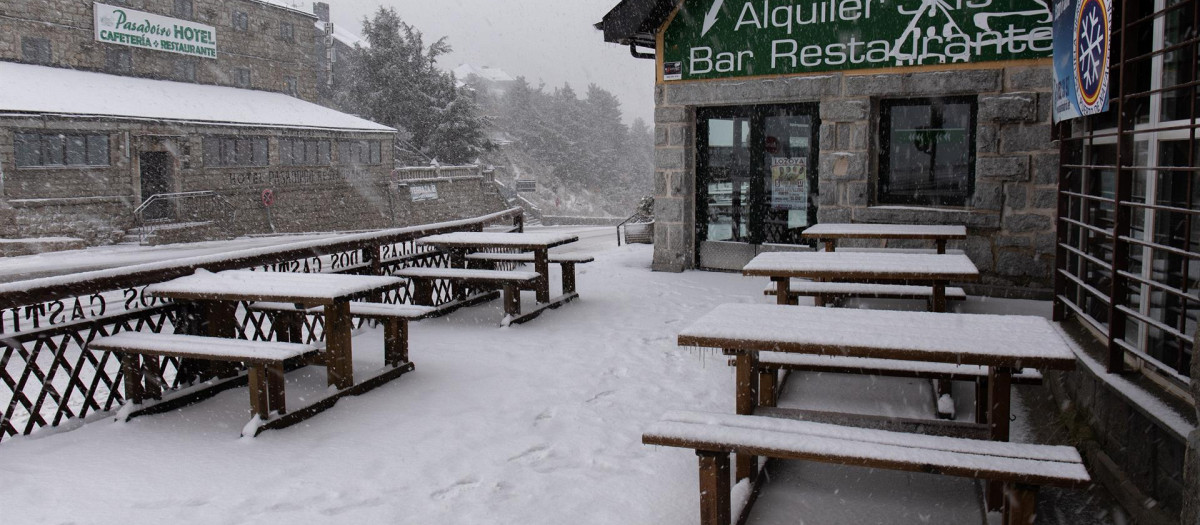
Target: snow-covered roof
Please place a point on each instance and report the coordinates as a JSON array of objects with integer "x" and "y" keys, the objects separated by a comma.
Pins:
[
  {"x": 291, "y": 5},
  {"x": 344, "y": 36},
  {"x": 492, "y": 74},
  {"x": 48, "y": 90}
]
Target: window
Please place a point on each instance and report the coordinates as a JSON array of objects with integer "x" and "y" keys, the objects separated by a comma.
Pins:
[
  {"x": 185, "y": 70},
  {"x": 304, "y": 152},
  {"x": 241, "y": 77},
  {"x": 360, "y": 152},
  {"x": 289, "y": 86},
  {"x": 287, "y": 31},
  {"x": 35, "y": 50},
  {"x": 927, "y": 151},
  {"x": 61, "y": 149},
  {"x": 241, "y": 21},
  {"x": 220, "y": 152},
  {"x": 183, "y": 8},
  {"x": 118, "y": 60}
]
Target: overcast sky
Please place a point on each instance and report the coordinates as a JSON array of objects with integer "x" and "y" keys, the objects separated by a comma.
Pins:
[{"x": 543, "y": 40}]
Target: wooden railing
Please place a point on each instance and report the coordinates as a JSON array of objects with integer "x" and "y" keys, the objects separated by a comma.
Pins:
[{"x": 48, "y": 375}]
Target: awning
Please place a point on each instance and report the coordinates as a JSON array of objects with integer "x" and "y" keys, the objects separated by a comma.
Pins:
[
  {"x": 636, "y": 21},
  {"x": 29, "y": 89}
]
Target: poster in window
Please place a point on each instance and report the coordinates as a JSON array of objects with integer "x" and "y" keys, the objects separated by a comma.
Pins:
[
  {"x": 1082, "y": 56},
  {"x": 789, "y": 188}
]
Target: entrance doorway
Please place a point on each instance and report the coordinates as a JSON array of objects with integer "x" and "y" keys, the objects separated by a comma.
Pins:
[
  {"x": 756, "y": 180},
  {"x": 156, "y": 179}
]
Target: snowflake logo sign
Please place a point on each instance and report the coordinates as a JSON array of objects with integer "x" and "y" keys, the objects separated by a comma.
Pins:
[{"x": 1091, "y": 54}]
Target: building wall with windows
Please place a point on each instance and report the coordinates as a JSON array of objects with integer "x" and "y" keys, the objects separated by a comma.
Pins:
[
  {"x": 260, "y": 45},
  {"x": 993, "y": 169}
]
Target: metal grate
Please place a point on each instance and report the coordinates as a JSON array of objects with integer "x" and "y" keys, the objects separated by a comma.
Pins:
[{"x": 1128, "y": 258}]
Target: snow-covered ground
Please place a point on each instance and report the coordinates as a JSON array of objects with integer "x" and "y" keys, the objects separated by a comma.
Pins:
[{"x": 535, "y": 424}]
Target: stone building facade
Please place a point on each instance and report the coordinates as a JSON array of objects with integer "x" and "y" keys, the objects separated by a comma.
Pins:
[
  {"x": 1005, "y": 194},
  {"x": 276, "y": 45}
]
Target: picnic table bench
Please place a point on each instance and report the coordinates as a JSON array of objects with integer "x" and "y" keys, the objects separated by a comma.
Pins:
[
  {"x": 868, "y": 268},
  {"x": 831, "y": 290},
  {"x": 1003, "y": 344},
  {"x": 829, "y": 233},
  {"x": 286, "y": 322},
  {"x": 263, "y": 358},
  {"x": 566, "y": 260},
  {"x": 1017, "y": 468},
  {"x": 510, "y": 283}
]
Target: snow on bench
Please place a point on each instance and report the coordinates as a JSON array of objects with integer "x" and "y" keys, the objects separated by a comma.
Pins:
[
  {"x": 799, "y": 287},
  {"x": 885, "y": 367},
  {"x": 1021, "y": 467},
  {"x": 263, "y": 358},
  {"x": 560, "y": 258},
  {"x": 394, "y": 316},
  {"x": 510, "y": 282},
  {"x": 567, "y": 260}
]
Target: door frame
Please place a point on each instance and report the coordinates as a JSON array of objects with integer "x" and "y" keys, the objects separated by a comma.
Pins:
[{"x": 758, "y": 205}]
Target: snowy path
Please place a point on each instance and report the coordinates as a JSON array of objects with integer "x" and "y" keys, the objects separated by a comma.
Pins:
[{"x": 539, "y": 423}]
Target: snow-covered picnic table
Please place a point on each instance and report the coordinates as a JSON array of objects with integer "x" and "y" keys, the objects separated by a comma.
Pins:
[
  {"x": 222, "y": 292},
  {"x": 1003, "y": 343},
  {"x": 459, "y": 243},
  {"x": 829, "y": 233},
  {"x": 869, "y": 267}
]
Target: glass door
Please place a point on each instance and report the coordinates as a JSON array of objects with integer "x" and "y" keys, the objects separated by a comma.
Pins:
[{"x": 756, "y": 180}]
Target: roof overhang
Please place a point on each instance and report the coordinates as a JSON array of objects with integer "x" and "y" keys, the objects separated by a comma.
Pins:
[{"x": 636, "y": 22}]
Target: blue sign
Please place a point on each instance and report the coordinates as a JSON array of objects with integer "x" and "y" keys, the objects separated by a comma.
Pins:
[{"x": 1082, "y": 56}]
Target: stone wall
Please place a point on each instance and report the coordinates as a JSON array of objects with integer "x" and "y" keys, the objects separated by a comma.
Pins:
[
  {"x": 1128, "y": 449},
  {"x": 1009, "y": 217},
  {"x": 69, "y": 25}
]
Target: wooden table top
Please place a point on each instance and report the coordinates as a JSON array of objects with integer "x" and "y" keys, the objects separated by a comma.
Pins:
[
  {"x": 1015, "y": 341},
  {"x": 520, "y": 241},
  {"x": 864, "y": 266},
  {"x": 884, "y": 231},
  {"x": 284, "y": 287}
]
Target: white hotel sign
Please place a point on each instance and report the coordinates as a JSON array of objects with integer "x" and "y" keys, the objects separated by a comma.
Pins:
[{"x": 119, "y": 25}]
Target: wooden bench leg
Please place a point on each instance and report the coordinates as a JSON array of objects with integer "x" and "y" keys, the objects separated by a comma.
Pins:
[
  {"x": 568, "y": 278},
  {"x": 153, "y": 388},
  {"x": 395, "y": 342},
  {"x": 783, "y": 290},
  {"x": 747, "y": 399},
  {"x": 541, "y": 264},
  {"x": 999, "y": 392},
  {"x": 715, "y": 508},
  {"x": 276, "y": 400},
  {"x": 768, "y": 385},
  {"x": 131, "y": 369},
  {"x": 288, "y": 326},
  {"x": 512, "y": 300},
  {"x": 981, "y": 400},
  {"x": 260, "y": 404},
  {"x": 423, "y": 292},
  {"x": 1020, "y": 506},
  {"x": 338, "y": 359}
]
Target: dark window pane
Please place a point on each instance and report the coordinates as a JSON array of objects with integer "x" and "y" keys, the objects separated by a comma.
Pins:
[
  {"x": 118, "y": 60},
  {"x": 376, "y": 152},
  {"x": 260, "y": 151},
  {"x": 52, "y": 150},
  {"x": 241, "y": 21},
  {"x": 323, "y": 152},
  {"x": 310, "y": 152},
  {"x": 97, "y": 147},
  {"x": 928, "y": 152},
  {"x": 185, "y": 70},
  {"x": 76, "y": 150},
  {"x": 183, "y": 8},
  {"x": 228, "y": 152},
  {"x": 35, "y": 50},
  {"x": 344, "y": 153},
  {"x": 212, "y": 152},
  {"x": 29, "y": 149},
  {"x": 285, "y": 152},
  {"x": 286, "y": 31}
]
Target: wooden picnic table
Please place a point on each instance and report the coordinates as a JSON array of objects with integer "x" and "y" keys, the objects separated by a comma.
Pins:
[
  {"x": 221, "y": 292},
  {"x": 1004, "y": 344},
  {"x": 460, "y": 243},
  {"x": 829, "y": 233},
  {"x": 870, "y": 267}
]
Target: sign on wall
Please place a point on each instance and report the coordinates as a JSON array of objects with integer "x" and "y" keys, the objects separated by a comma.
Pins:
[
  {"x": 710, "y": 39},
  {"x": 423, "y": 192},
  {"x": 1082, "y": 56},
  {"x": 127, "y": 27}
]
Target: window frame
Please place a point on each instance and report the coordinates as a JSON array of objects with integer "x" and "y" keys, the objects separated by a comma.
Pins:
[
  {"x": 884, "y": 138},
  {"x": 180, "y": 11},
  {"x": 240, "y": 20},
  {"x": 96, "y": 146},
  {"x": 232, "y": 151},
  {"x": 40, "y": 46}
]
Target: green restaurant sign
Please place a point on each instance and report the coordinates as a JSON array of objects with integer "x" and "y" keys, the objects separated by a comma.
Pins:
[
  {"x": 710, "y": 39},
  {"x": 123, "y": 26}
]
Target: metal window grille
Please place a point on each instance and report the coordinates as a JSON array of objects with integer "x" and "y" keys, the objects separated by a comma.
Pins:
[{"x": 1128, "y": 259}]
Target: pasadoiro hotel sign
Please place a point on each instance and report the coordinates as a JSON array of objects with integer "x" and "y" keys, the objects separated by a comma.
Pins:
[
  {"x": 710, "y": 39},
  {"x": 119, "y": 25}
]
